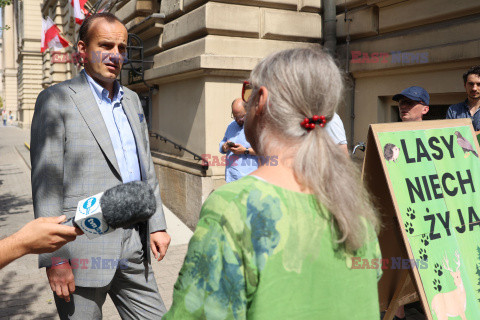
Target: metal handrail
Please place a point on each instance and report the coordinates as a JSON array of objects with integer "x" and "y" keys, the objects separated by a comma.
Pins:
[
  {"x": 361, "y": 146},
  {"x": 180, "y": 148}
]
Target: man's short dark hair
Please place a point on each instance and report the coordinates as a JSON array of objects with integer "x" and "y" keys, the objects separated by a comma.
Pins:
[
  {"x": 473, "y": 70},
  {"x": 87, "y": 23}
]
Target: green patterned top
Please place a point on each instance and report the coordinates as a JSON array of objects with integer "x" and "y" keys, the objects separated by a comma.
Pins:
[{"x": 264, "y": 252}]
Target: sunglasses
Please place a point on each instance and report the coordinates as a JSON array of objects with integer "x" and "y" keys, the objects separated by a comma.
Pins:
[
  {"x": 238, "y": 118},
  {"x": 246, "y": 91},
  {"x": 409, "y": 102}
]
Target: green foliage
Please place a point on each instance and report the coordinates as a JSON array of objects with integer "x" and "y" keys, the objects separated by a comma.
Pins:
[{"x": 4, "y": 3}]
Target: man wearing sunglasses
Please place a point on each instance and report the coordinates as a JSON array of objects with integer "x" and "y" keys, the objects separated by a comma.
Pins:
[
  {"x": 412, "y": 103},
  {"x": 241, "y": 158}
]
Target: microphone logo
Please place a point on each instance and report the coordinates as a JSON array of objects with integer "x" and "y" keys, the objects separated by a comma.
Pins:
[
  {"x": 90, "y": 205},
  {"x": 95, "y": 225}
]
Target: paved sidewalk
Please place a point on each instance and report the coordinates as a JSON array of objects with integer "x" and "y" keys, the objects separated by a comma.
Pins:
[{"x": 24, "y": 289}]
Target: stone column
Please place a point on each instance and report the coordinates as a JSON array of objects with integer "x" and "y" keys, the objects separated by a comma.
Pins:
[
  {"x": 9, "y": 54},
  {"x": 1, "y": 70},
  {"x": 29, "y": 58}
]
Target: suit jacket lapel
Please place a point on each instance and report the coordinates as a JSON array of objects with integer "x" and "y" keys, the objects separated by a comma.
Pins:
[
  {"x": 134, "y": 120},
  {"x": 87, "y": 105}
]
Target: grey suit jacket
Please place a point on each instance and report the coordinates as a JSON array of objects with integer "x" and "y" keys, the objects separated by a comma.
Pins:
[{"x": 73, "y": 158}]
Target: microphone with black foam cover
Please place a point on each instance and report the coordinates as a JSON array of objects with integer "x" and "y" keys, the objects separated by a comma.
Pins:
[
  {"x": 122, "y": 206},
  {"x": 128, "y": 204}
]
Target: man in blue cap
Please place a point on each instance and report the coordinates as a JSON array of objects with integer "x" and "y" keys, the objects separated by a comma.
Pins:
[{"x": 412, "y": 103}]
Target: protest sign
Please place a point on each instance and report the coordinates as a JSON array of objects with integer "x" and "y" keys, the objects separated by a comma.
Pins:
[{"x": 431, "y": 171}]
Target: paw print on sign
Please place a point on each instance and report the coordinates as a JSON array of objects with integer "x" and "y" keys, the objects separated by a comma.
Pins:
[
  {"x": 423, "y": 254},
  {"x": 409, "y": 227},
  {"x": 425, "y": 239},
  {"x": 411, "y": 213},
  {"x": 438, "y": 269},
  {"x": 436, "y": 285}
]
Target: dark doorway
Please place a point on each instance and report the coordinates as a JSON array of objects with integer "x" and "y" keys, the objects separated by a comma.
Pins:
[{"x": 436, "y": 112}]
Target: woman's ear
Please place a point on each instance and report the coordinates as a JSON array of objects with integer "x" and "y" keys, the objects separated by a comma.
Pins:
[{"x": 262, "y": 100}]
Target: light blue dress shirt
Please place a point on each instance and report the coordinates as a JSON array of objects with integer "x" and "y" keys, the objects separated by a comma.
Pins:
[
  {"x": 118, "y": 128},
  {"x": 239, "y": 165}
]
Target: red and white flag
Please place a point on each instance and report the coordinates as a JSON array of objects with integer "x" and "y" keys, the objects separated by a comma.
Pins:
[
  {"x": 51, "y": 37},
  {"x": 79, "y": 10}
]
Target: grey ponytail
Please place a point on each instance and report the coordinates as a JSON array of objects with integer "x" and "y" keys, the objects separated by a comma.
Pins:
[{"x": 302, "y": 83}]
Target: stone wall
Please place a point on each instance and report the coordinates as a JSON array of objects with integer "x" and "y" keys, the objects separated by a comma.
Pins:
[{"x": 395, "y": 44}]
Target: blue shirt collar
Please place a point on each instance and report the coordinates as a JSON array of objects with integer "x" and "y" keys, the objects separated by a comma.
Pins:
[
  {"x": 238, "y": 127},
  {"x": 467, "y": 108},
  {"x": 101, "y": 92}
]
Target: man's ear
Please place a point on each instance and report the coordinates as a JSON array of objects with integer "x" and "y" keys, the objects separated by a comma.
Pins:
[
  {"x": 262, "y": 100},
  {"x": 425, "y": 109},
  {"x": 82, "y": 51},
  {"x": 81, "y": 46}
]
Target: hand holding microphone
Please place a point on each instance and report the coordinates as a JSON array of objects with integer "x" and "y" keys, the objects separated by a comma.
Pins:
[
  {"x": 122, "y": 206},
  {"x": 38, "y": 236}
]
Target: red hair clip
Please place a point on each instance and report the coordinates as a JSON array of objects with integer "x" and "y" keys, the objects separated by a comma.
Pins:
[{"x": 309, "y": 123}]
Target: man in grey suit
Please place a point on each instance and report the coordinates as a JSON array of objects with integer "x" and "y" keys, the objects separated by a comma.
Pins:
[{"x": 88, "y": 135}]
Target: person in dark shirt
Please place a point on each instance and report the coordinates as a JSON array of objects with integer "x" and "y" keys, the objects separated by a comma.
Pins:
[{"x": 469, "y": 108}]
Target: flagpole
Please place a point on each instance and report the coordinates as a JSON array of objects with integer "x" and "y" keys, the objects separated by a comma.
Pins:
[{"x": 63, "y": 35}]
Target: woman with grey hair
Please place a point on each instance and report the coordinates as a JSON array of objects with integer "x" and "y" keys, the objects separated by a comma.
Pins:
[{"x": 288, "y": 241}]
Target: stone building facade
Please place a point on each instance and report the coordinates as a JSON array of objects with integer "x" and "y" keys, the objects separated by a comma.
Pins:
[
  {"x": 395, "y": 44},
  {"x": 1, "y": 71},
  {"x": 9, "y": 62},
  {"x": 22, "y": 60},
  {"x": 56, "y": 71},
  {"x": 197, "y": 54},
  {"x": 204, "y": 53}
]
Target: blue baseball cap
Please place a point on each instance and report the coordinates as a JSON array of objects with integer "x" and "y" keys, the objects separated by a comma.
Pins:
[{"x": 414, "y": 93}]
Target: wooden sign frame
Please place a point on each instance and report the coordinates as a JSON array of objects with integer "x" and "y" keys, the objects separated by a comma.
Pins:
[{"x": 396, "y": 287}]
